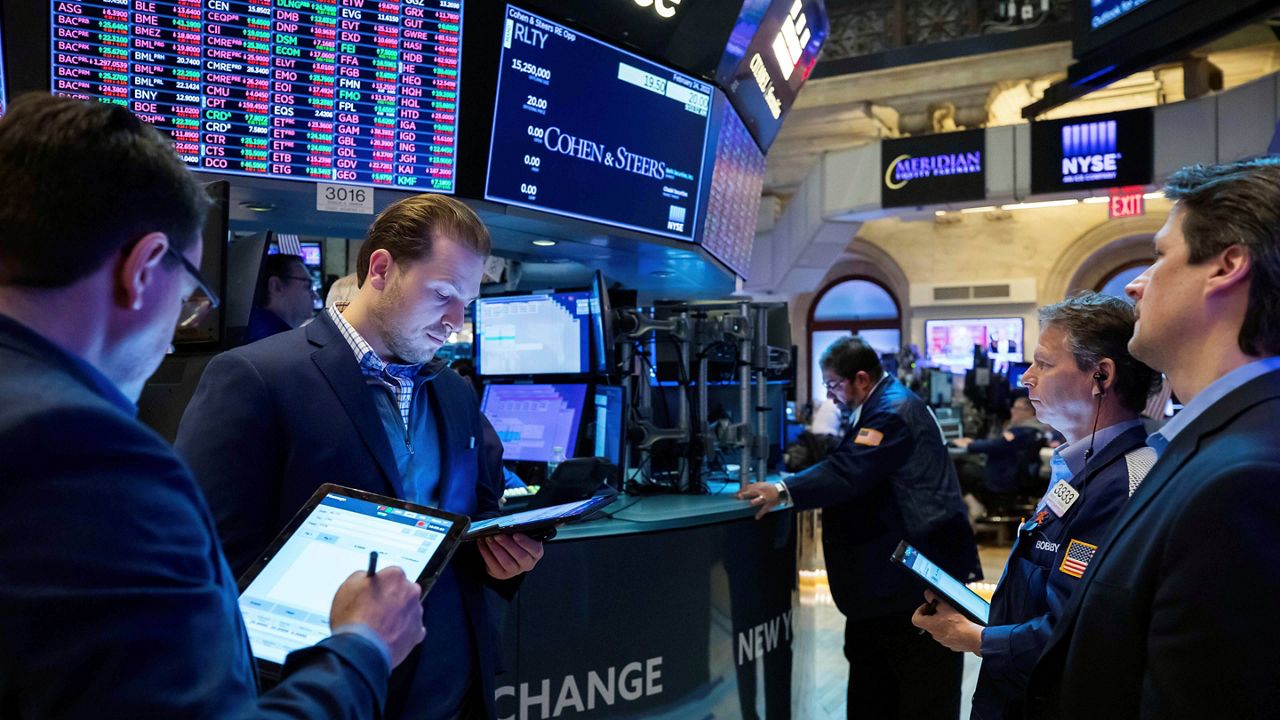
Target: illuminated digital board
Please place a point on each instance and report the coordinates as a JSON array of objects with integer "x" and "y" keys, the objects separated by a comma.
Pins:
[
  {"x": 584, "y": 129},
  {"x": 351, "y": 91}
]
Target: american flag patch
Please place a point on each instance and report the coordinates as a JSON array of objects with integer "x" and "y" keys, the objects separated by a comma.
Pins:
[{"x": 1077, "y": 559}]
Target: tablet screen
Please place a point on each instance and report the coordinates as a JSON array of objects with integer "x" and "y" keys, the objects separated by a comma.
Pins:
[
  {"x": 286, "y": 607},
  {"x": 955, "y": 591},
  {"x": 540, "y": 517}
]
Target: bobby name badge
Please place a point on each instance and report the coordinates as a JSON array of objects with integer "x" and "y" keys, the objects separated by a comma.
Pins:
[{"x": 1061, "y": 497}]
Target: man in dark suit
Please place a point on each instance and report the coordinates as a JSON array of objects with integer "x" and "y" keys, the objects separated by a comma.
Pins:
[
  {"x": 888, "y": 480},
  {"x": 115, "y": 599},
  {"x": 1173, "y": 618},
  {"x": 359, "y": 399}
]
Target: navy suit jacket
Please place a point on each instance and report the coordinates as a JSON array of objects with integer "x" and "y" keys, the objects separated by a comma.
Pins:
[
  {"x": 115, "y": 599},
  {"x": 272, "y": 421},
  {"x": 890, "y": 479},
  {"x": 1175, "y": 617}
]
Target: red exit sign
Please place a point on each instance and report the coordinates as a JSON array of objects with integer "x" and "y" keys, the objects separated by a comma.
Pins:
[{"x": 1125, "y": 203}]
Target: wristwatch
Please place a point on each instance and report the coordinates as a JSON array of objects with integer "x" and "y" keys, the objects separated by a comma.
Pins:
[{"x": 784, "y": 495}]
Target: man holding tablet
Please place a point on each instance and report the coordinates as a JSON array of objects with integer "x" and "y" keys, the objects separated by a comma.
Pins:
[
  {"x": 115, "y": 599},
  {"x": 358, "y": 398},
  {"x": 1085, "y": 384}
]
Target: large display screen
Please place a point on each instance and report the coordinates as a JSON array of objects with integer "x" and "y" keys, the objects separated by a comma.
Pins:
[
  {"x": 1097, "y": 151},
  {"x": 775, "y": 64},
  {"x": 533, "y": 420},
  {"x": 734, "y": 201},
  {"x": 586, "y": 130},
  {"x": 542, "y": 334},
  {"x": 351, "y": 91},
  {"x": 950, "y": 343}
]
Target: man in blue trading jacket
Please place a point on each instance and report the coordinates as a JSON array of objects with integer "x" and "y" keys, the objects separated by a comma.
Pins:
[
  {"x": 888, "y": 480},
  {"x": 1176, "y": 616},
  {"x": 115, "y": 600},
  {"x": 356, "y": 398},
  {"x": 1085, "y": 384}
]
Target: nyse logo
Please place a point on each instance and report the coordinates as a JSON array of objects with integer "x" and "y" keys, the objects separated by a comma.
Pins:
[
  {"x": 788, "y": 46},
  {"x": 664, "y": 8},
  {"x": 1089, "y": 152}
]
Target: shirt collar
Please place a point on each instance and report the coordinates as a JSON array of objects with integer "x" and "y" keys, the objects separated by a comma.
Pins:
[
  {"x": 1208, "y": 397},
  {"x": 1074, "y": 453},
  {"x": 39, "y": 344},
  {"x": 366, "y": 358}
]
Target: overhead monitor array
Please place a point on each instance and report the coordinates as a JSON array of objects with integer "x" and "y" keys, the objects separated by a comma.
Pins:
[
  {"x": 359, "y": 92},
  {"x": 574, "y": 113}
]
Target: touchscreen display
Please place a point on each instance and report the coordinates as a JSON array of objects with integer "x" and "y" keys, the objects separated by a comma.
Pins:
[
  {"x": 953, "y": 589},
  {"x": 566, "y": 511},
  {"x": 286, "y": 607}
]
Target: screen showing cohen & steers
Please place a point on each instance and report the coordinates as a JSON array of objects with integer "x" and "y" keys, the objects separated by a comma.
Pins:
[
  {"x": 358, "y": 91},
  {"x": 286, "y": 607},
  {"x": 533, "y": 420},
  {"x": 542, "y": 334},
  {"x": 586, "y": 130}
]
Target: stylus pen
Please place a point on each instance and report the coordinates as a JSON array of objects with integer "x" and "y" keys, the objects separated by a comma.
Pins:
[{"x": 373, "y": 562}]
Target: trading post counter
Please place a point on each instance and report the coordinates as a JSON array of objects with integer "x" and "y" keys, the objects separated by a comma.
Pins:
[{"x": 676, "y": 606}]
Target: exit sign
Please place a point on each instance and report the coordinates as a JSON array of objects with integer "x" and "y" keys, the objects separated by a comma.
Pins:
[{"x": 1126, "y": 203}]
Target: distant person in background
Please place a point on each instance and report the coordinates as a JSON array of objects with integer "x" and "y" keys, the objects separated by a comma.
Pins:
[
  {"x": 341, "y": 292},
  {"x": 286, "y": 295},
  {"x": 1008, "y": 457}
]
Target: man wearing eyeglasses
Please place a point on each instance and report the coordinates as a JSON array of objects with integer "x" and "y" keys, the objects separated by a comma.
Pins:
[
  {"x": 286, "y": 296},
  {"x": 889, "y": 479},
  {"x": 115, "y": 598}
]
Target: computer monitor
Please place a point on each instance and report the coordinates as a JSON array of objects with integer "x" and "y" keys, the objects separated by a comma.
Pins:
[
  {"x": 951, "y": 343},
  {"x": 542, "y": 334},
  {"x": 1016, "y": 369},
  {"x": 602, "y": 324},
  {"x": 533, "y": 420},
  {"x": 609, "y": 429},
  {"x": 940, "y": 387}
]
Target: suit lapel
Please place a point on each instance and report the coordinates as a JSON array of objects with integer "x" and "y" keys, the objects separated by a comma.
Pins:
[
  {"x": 1179, "y": 452},
  {"x": 338, "y": 365}
]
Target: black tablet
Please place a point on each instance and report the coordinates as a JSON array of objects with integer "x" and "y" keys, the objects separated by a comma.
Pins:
[
  {"x": 285, "y": 597},
  {"x": 965, "y": 601},
  {"x": 535, "y": 521}
]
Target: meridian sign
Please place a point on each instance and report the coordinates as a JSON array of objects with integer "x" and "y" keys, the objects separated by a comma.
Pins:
[{"x": 933, "y": 169}]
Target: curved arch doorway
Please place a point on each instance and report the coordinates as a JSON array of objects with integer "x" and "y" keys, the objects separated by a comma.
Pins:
[{"x": 851, "y": 304}]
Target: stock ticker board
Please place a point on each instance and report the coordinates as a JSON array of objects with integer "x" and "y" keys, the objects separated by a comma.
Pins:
[{"x": 351, "y": 91}]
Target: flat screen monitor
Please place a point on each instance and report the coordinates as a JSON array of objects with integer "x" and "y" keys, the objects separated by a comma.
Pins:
[
  {"x": 1015, "y": 372},
  {"x": 602, "y": 324},
  {"x": 950, "y": 343},
  {"x": 4, "y": 95},
  {"x": 587, "y": 130},
  {"x": 363, "y": 94},
  {"x": 941, "y": 387},
  {"x": 609, "y": 423},
  {"x": 533, "y": 420},
  {"x": 541, "y": 334}
]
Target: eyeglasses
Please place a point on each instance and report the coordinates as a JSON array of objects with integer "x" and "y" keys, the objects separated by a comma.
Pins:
[
  {"x": 833, "y": 384},
  {"x": 300, "y": 278},
  {"x": 201, "y": 300}
]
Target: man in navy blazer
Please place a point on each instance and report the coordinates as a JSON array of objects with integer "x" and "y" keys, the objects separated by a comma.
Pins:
[
  {"x": 1175, "y": 616},
  {"x": 115, "y": 599},
  {"x": 358, "y": 398}
]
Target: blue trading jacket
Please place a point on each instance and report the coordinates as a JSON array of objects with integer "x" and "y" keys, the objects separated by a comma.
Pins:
[
  {"x": 1036, "y": 584},
  {"x": 889, "y": 479}
]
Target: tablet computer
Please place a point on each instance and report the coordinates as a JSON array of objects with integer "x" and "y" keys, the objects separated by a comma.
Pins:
[
  {"x": 285, "y": 597},
  {"x": 965, "y": 601},
  {"x": 538, "y": 521}
]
